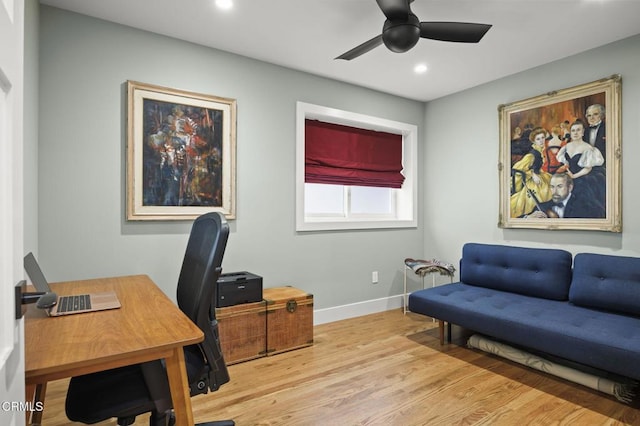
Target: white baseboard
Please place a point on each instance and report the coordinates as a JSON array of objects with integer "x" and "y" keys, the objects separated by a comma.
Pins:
[{"x": 337, "y": 313}]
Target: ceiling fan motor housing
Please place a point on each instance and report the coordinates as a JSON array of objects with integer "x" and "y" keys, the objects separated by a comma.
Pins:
[{"x": 401, "y": 35}]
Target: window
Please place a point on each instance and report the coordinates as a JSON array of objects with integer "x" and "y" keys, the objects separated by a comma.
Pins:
[{"x": 321, "y": 206}]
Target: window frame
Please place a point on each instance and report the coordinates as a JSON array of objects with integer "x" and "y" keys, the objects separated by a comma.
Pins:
[{"x": 406, "y": 198}]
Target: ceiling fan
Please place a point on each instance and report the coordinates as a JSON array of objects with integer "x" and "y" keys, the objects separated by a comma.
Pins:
[{"x": 402, "y": 30}]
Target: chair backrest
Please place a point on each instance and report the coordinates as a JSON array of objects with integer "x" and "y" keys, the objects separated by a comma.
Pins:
[{"x": 196, "y": 291}]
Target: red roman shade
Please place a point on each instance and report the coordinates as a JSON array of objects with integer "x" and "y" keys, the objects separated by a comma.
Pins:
[{"x": 344, "y": 155}]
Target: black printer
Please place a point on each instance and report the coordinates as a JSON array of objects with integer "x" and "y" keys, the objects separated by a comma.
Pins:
[{"x": 235, "y": 288}]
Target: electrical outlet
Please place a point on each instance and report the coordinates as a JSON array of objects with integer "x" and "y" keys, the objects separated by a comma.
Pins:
[{"x": 374, "y": 277}]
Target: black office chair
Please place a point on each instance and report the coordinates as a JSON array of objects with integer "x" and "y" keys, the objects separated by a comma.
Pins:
[{"x": 133, "y": 390}]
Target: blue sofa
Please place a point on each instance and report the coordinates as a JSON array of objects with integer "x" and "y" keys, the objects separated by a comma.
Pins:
[{"x": 587, "y": 313}]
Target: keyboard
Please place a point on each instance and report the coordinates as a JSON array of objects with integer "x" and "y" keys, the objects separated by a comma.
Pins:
[{"x": 74, "y": 303}]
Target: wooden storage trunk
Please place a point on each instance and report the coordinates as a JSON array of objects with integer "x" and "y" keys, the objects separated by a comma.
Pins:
[
  {"x": 242, "y": 330},
  {"x": 289, "y": 319}
]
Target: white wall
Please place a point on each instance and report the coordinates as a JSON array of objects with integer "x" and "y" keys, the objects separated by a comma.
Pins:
[
  {"x": 462, "y": 142},
  {"x": 84, "y": 64}
]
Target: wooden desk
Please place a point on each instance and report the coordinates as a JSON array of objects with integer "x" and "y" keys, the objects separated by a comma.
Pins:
[{"x": 148, "y": 326}]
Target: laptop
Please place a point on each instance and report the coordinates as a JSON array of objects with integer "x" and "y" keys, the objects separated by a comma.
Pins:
[{"x": 66, "y": 305}]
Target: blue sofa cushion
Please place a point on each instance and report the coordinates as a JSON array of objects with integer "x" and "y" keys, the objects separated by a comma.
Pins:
[
  {"x": 544, "y": 273},
  {"x": 606, "y": 282}
]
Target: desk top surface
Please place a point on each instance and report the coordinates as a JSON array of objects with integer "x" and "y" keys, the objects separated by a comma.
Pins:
[{"x": 148, "y": 326}]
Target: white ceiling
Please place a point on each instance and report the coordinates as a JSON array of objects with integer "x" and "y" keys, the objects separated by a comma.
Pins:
[{"x": 308, "y": 34}]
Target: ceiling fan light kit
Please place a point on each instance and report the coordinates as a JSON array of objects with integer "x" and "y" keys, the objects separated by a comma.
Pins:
[
  {"x": 400, "y": 36},
  {"x": 402, "y": 30}
]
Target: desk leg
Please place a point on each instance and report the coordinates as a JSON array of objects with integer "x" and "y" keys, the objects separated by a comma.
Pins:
[
  {"x": 35, "y": 394},
  {"x": 30, "y": 391},
  {"x": 179, "y": 385}
]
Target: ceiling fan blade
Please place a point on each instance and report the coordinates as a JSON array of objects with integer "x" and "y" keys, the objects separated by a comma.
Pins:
[
  {"x": 395, "y": 9},
  {"x": 461, "y": 32},
  {"x": 362, "y": 49}
]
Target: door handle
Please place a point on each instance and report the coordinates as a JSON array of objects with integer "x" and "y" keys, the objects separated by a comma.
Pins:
[{"x": 42, "y": 299}]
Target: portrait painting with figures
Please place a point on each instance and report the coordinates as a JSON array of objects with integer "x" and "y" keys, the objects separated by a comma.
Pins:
[{"x": 560, "y": 156}]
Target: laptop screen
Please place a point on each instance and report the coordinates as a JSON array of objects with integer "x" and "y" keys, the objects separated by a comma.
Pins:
[{"x": 35, "y": 273}]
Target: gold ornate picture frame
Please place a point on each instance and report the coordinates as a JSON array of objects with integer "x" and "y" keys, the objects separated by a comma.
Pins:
[
  {"x": 557, "y": 172},
  {"x": 181, "y": 153}
]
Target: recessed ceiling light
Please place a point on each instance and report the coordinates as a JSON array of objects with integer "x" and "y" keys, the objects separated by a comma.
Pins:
[
  {"x": 224, "y": 4},
  {"x": 420, "y": 69}
]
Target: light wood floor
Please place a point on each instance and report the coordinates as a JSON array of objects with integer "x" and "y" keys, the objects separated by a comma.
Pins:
[{"x": 389, "y": 369}]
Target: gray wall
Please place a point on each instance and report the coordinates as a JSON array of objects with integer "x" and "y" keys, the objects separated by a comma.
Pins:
[
  {"x": 30, "y": 160},
  {"x": 462, "y": 155},
  {"x": 84, "y": 64}
]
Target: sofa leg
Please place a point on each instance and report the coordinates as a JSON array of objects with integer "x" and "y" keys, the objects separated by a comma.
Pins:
[{"x": 441, "y": 326}]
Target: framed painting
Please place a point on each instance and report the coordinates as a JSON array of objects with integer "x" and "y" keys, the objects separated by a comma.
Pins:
[
  {"x": 560, "y": 159},
  {"x": 181, "y": 153}
]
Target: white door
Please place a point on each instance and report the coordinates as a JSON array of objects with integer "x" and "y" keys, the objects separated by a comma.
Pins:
[{"x": 12, "y": 391}]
